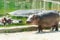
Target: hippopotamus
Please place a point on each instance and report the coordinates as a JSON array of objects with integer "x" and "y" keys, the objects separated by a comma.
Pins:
[{"x": 45, "y": 19}]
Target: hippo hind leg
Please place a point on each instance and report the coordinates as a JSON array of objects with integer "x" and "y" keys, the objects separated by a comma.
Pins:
[
  {"x": 40, "y": 28},
  {"x": 56, "y": 27}
]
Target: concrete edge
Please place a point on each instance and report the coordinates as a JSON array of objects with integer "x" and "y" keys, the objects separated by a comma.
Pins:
[{"x": 18, "y": 29}]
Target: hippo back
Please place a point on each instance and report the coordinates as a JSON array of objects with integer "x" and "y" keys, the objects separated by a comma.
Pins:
[{"x": 49, "y": 19}]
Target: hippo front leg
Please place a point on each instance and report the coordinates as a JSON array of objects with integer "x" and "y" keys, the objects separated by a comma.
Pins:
[{"x": 39, "y": 28}]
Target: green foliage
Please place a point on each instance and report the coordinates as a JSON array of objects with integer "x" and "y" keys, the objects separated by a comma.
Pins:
[{"x": 12, "y": 5}]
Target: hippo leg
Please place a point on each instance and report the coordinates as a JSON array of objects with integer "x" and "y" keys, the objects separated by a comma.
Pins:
[
  {"x": 39, "y": 28},
  {"x": 53, "y": 28},
  {"x": 56, "y": 27}
]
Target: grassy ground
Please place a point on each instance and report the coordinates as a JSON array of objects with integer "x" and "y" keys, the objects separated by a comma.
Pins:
[{"x": 16, "y": 24}]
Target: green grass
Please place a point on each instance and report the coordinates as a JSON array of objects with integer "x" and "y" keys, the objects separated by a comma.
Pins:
[
  {"x": 16, "y": 24},
  {"x": 20, "y": 18}
]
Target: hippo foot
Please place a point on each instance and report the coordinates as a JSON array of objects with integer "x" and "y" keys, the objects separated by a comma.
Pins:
[
  {"x": 39, "y": 31},
  {"x": 56, "y": 30}
]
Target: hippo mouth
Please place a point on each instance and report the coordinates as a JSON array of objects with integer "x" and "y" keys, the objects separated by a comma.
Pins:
[{"x": 28, "y": 22}]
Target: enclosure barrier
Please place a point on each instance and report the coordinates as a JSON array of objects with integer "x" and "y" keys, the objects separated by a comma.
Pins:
[{"x": 18, "y": 29}]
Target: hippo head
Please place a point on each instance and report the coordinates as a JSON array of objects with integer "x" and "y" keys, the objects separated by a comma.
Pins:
[{"x": 32, "y": 19}]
